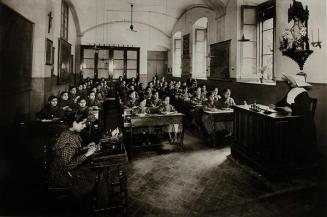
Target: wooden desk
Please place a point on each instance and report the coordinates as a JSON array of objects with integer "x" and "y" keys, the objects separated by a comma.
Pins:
[
  {"x": 156, "y": 120},
  {"x": 110, "y": 163},
  {"x": 269, "y": 142},
  {"x": 219, "y": 116}
]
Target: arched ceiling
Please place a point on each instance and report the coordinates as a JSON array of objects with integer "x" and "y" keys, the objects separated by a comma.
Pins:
[{"x": 161, "y": 14}]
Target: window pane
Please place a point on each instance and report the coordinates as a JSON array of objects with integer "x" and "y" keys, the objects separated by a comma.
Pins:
[
  {"x": 88, "y": 73},
  {"x": 249, "y": 16},
  {"x": 89, "y": 63},
  {"x": 118, "y": 73},
  {"x": 88, "y": 53},
  {"x": 118, "y": 54},
  {"x": 200, "y": 35},
  {"x": 178, "y": 43},
  {"x": 268, "y": 24},
  {"x": 118, "y": 64},
  {"x": 131, "y": 64},
  {"x": 249, "y": 50},
  {"x": 103, "y": 54},
  {"x": 131, "y": 54},
  {"x": 267, "y": 62},
  {"x": 103, "y": 73},
  {"x": 267, "y": 42},
  {"x": 131, "y": 73},
  {"x": 103, "y": 63},
  {"x": 250, "y": 32}
]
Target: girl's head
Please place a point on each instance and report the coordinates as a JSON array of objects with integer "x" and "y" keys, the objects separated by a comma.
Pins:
[
  {"x": 76, "y": 122},
  {"x": 226, "y": 93},
  {"x": 204, "y": 88},
  {"x": 132, "y": 94},
  {"x": 215, "y": 91},
  {"x": 92, "y": 95},
  {"x": 156, "y": 95},
  {"x": 72, "y": 90},
  {"x": 149, "y": 91},
  {"x": 211, "y": 97},
  {"x": 94, "y": 89},
  {"x": 64, "y": 95},
  {"x": 150, "y": 84},
  {"x": 81, "y": 102},
  {"x": 166, "y": 100},
  {"x": 80, "y": 87},
  {"x": 53, "y": 101}
]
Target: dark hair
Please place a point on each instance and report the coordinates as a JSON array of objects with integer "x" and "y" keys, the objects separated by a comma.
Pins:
[
  {"x": 71, "y": 87},
  {"x": 225, "y": 90},
  {"x": 63, "y": 92},
  {"x": 80, "y": 99},
  {"x": 74, "y": 117},
  {"x": 51, "y": 98}
]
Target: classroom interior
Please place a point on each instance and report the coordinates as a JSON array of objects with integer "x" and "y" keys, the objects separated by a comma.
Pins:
[{"x": 255, "y": 161}]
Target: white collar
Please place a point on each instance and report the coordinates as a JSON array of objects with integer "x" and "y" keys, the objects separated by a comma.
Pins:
[{"x": 293, "y": 93}]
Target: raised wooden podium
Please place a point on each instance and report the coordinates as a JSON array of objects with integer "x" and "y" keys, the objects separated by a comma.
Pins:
[{"x": 271, "y": 142}]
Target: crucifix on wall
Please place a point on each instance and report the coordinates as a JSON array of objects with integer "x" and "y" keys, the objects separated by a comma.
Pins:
[{"x": 50, "y": 21}]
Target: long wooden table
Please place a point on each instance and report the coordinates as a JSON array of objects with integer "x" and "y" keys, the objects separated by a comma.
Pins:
[
  {"x": 155, "y": 120},
  {"x": 219, "y": 115}
]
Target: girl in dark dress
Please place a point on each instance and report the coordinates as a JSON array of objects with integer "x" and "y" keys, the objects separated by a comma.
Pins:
[
  {"x": 65, "y": 103},
  {"x": 52, "y": 110}
]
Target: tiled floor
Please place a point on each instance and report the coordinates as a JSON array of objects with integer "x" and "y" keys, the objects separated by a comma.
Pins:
[{"x": 202, "y": 181}]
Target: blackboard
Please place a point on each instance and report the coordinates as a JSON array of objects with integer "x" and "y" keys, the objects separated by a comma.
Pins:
[
  {"x": 16, "y": 47},
  {"x": 219, "y": 60}
]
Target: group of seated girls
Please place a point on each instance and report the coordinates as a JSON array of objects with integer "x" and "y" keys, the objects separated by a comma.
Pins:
[
  {"x": 151, "y": 103},
  {"x": 70, "y": 151},
  {"x": 188, "y": 91},
  {"x": 86, "y": 97}
]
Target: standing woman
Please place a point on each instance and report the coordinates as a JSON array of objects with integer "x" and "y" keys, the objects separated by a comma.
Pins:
[{"x": 67, "y": 168}]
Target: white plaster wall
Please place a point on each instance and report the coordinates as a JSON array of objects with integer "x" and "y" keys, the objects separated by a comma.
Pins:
[
  {"x": 146, "y": 37},
  {"x": 315, "y": 66}
]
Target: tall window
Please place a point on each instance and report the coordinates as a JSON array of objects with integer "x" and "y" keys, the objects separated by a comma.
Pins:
[
  {"x": 64, "y": 20},
  {"x": 200, "y": 64},
  {"x": 266, "y": 14},
  {"x": 257, "y": 54},
  {"x": 177, "y": 57}
]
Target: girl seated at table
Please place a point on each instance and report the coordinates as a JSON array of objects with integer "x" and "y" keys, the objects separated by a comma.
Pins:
[
  {"x": 93, "y": 103},
  {"x": 52, "y": 110},
  {"x": 131, "y": 100},
  {"x": 197, "y": 98},
  {"x": 142, "y": 110},
  {"x": 67, "y": 168},
  {"x": 65, "y": 103},
  {"x": 209, "y": 125},
  {"x": 155, "y": 101},
  {"x": 226, "y": 101},
  {"x": 216, "y": 95},
  {"x": 171, "y": 129}
]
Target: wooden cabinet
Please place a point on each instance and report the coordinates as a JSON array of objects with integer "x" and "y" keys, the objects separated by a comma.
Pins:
[{"x": 270, "y": 142}]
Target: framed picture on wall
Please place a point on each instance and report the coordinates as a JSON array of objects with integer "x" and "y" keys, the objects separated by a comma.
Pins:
[
  {"x": 48, "y": 52},
  {"x": 64, "y": 62},
  {"x": 53, "y": 54}
]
